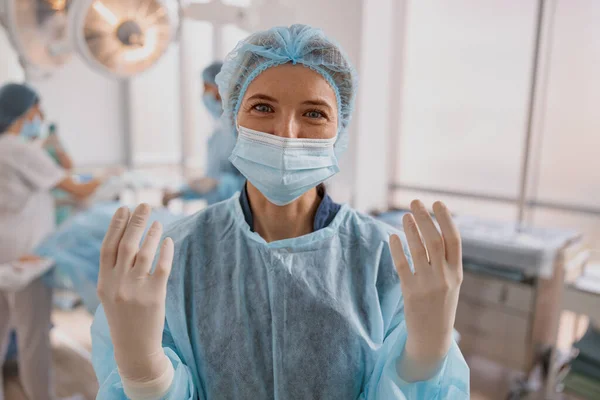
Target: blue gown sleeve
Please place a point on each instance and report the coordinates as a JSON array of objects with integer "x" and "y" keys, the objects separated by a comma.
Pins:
[
  {"x": 450, "y": 382},
  {"x": 105, "y": 366},
  {"x": 452, "y": 379}
]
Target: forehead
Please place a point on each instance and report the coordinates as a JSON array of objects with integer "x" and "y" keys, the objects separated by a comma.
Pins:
[{"x": 292, "y": 83}]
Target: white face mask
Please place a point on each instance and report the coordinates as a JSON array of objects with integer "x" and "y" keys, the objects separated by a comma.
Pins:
[{"x": 283, "y": 169}]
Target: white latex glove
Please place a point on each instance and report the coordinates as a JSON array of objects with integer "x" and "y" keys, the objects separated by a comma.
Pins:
[
  {"x": 203, "y": 185},
  {"x": 431, "y": 293},
  {"x": 134, "y": 299}
]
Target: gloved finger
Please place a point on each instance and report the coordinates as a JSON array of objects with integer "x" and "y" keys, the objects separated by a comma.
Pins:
[
  {"x": 110, "y": 244},
  {"x": 145, "y": 257},
  {"x": 130, "y": 243},
  {"x": 415, "y": 244},
  {"x": 450, "y": 234},
  {"x": 433, "y": 238},
  {"x": 400, "y": 260},
  {"x": 165, "y": 262}
]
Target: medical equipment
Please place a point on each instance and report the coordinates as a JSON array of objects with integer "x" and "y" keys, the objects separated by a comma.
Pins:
[
  {"x": 531, "y": 250},
  {"x": 515, "y": 322},
  {"x": 38, "y": 32},
  {"x": 114, "y": 37},
  {"x": 122, "y": 38},
  {"x": 584, "y": 377},
  {"x": 580, "y": 297}
]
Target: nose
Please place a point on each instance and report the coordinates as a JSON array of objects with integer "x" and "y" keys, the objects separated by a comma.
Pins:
[{"x": 287, "y": 126}]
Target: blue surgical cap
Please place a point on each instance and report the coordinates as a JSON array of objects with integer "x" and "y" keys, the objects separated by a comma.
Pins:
[
  {"x": 297, "y": 44},
  {"x": 210, "y": 73},
  {"x": 15, "y": 100}
]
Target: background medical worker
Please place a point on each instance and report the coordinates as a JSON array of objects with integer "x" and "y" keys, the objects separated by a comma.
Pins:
[
  {"x": 27, "y": 175},
  {"x": 280, "y": 293},
  {"x": 222, "y": 179}
]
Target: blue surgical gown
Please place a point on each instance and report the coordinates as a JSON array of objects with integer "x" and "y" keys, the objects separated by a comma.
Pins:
[
  {"x": 219, "y": 168},
  {"x": 315, "y": 317}
]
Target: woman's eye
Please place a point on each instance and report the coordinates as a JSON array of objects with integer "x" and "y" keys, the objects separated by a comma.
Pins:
[
  {"x": 263, "y": 108},
  {"x": 314, "y": 114}
]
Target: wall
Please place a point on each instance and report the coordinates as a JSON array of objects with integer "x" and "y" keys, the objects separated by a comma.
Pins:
[
  {"x": 10, "y": 69},
  {"x": 88, "y": 109},
  {"x": 155, "y": 113}
]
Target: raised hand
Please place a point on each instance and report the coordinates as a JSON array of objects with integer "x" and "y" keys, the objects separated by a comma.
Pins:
[
  {"x": 133, "y": 298},
  {"x": 431, "y": 292}
]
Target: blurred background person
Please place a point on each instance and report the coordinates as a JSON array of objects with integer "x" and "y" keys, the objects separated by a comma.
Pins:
[
  {"x": 222, "y": 179},
  {"x": 27, "y": 175}
]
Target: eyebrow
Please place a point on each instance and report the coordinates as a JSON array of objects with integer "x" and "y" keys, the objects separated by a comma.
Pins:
[
  {"x": 315, "y": 102},
  {"x": 263, "y": 97},
  {"x": 321, "y": 103}
]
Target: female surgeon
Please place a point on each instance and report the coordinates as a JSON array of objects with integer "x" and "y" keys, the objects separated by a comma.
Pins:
[
  {"x": 280, "y": 293},
  {"x": 27, "y": 175},
  {"x": 222, "y": 179}
]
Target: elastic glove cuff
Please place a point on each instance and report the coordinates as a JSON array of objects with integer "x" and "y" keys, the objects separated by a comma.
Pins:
[{"x": 152, "y": 390}]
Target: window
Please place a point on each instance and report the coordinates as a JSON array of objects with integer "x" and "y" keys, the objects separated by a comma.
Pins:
[
  {"x": 465, "y": 95},
  {"x": 568, "y": 149},
  {"x": 464, "y": 110}
]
